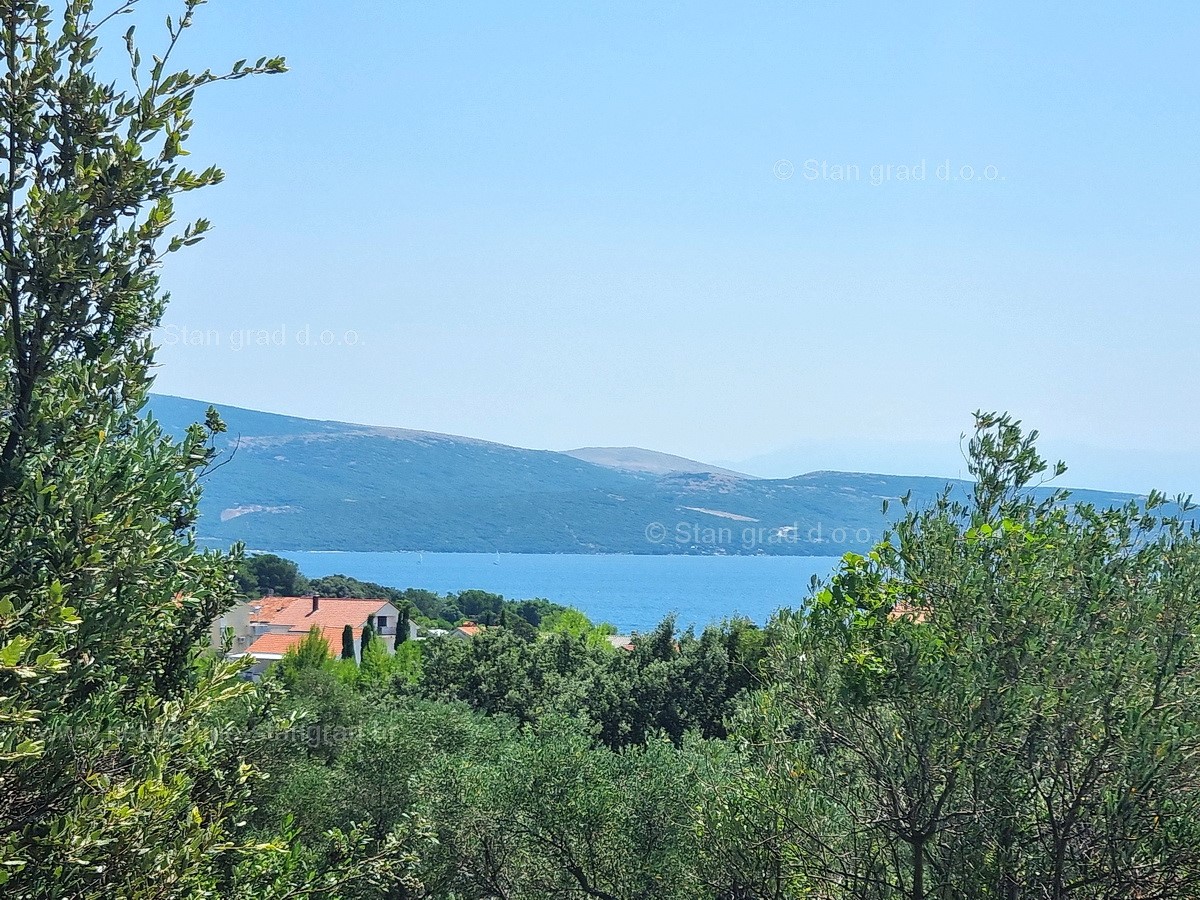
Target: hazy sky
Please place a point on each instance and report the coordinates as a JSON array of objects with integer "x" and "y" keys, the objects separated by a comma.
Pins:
[{"x": 566, "y": 224}]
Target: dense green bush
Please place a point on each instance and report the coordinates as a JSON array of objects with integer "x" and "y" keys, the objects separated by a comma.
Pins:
[{"x": 669, "y": 683}]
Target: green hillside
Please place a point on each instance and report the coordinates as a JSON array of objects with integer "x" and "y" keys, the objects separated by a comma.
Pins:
[{"x": 298, "y": 484}]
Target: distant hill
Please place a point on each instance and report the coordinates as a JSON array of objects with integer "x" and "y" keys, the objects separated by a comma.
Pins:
[
  {"x": 299, "y": 484},
  {"x": 635, "y": 459}
]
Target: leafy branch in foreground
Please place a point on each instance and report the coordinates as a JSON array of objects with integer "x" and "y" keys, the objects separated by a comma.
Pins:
[{"x": 124, "y": 751}]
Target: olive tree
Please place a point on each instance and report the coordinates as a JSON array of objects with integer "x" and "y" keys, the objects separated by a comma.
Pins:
[{"x": 1000, "y": 700}]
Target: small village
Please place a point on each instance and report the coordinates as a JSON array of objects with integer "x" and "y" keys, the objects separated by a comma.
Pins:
[{"x": 267, "y": 628}]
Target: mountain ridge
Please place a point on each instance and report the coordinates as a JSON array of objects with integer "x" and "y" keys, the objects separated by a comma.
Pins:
[
  {"x": 655, "y": 462},
  {"x": 288, "y": 483}
]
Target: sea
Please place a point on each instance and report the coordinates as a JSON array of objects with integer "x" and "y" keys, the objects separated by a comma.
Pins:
[{"x": 633, "y": 593}]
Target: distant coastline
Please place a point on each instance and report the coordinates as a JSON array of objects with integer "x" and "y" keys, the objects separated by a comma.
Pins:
[
  {"x": 300, "y": 485},
  {"x": 632, "y": 592}
]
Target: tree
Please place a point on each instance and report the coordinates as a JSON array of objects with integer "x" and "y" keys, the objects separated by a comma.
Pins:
[
  {"x": 102, "y": 595},
  {"x": 265, "y": 573},
  {"x": 310, "y": 653},
  {"x": 365, "y": 639},
  {"x": 347, "y": 642},
  {"x": 407, "y": 663},
  {"x": 376, "y": 664},
  {"x": 997, "y": 701},
  {"x": 669, "y": 685},
  {"x": 545, "y": 813},
  {"x": 124, "y": 751},
  {"x": 402, "y": 624},
  {"x": 519, "y": 626}
]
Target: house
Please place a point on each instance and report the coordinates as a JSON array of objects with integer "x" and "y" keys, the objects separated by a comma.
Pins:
[
  {"x": 234, "y": 623},
  {"x": 466, "y": 631},
  {"x": 621, "y": 641},
  {"x": 414, "y": 633},
  {"x": 278, "y": 623}
]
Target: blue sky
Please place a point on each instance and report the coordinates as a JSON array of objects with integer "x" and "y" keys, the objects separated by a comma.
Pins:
[{"x": 568, "y": 224}]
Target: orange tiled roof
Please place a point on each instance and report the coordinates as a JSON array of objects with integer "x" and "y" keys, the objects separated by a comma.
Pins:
[
  {"x": 267, "y": 608},
  {"x": 278, "y": 643},
  {"x": 333, "y": 634},
  {"x": 297, "y": 612},
  {"x": 275, "y": 644}
]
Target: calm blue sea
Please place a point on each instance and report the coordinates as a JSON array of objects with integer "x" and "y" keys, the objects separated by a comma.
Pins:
[{"x": 631, "y": 592}]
